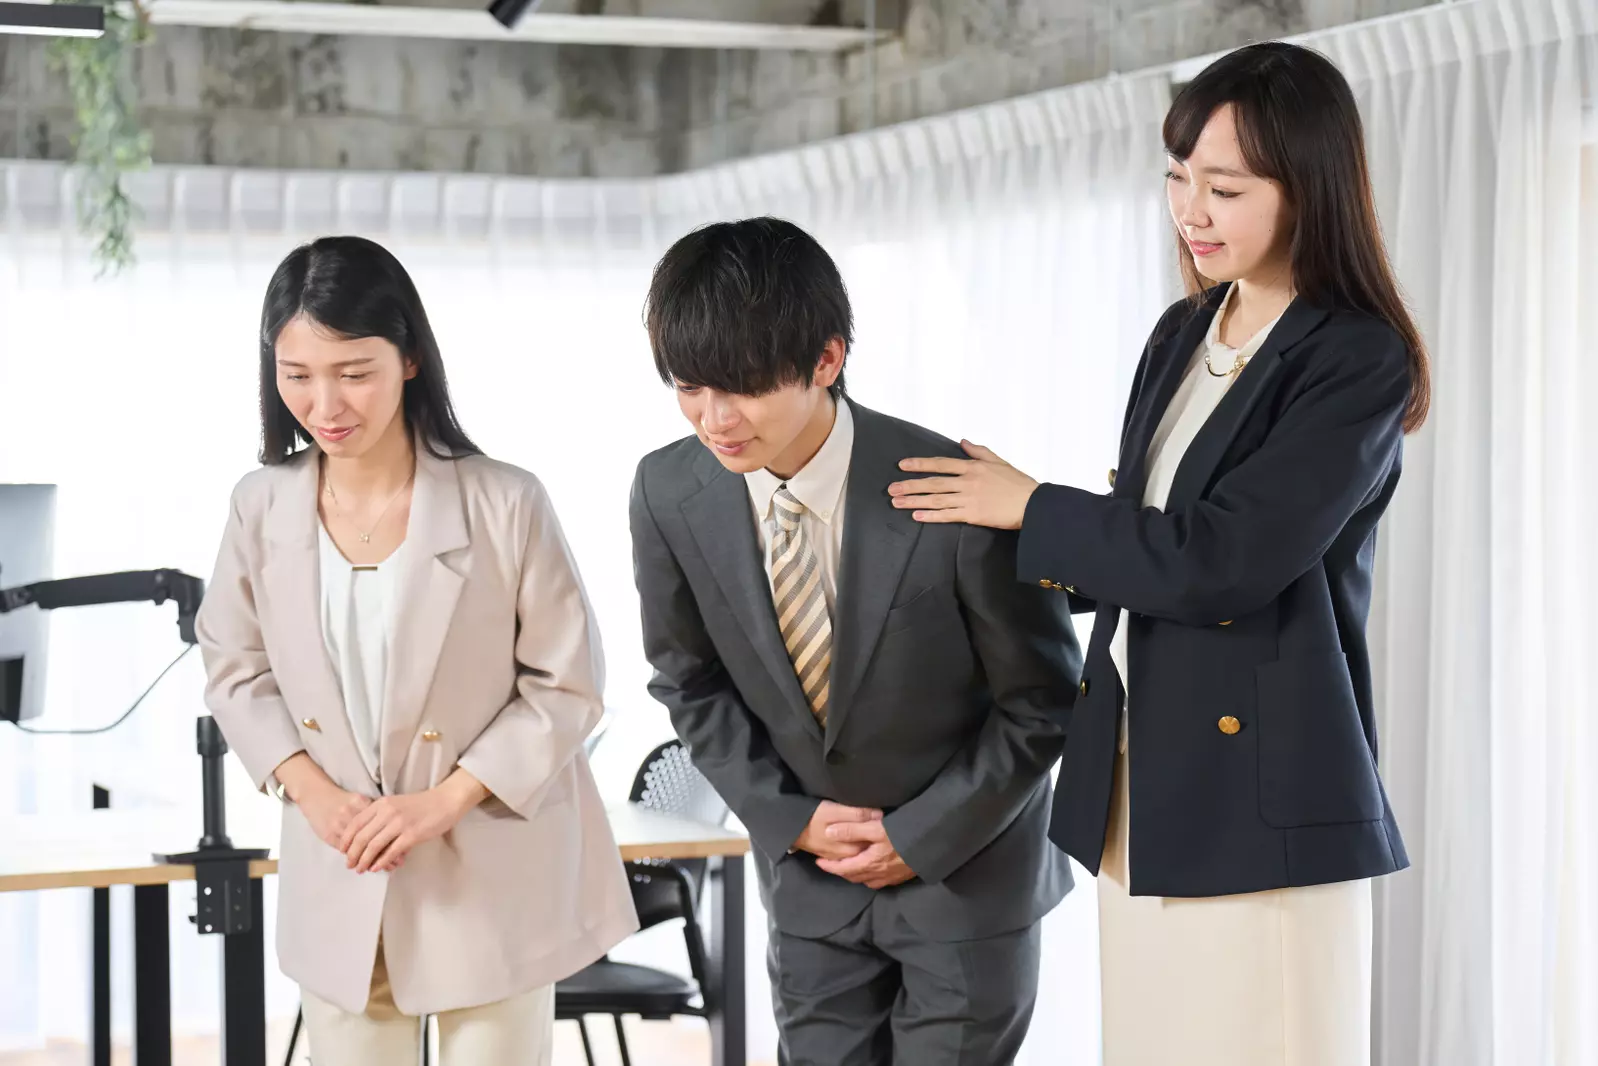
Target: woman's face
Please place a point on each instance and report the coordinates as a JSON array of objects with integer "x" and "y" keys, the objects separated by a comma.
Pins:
[
  {"x": 346, "y": 393},
  {"x": 1237, "y": 225}
]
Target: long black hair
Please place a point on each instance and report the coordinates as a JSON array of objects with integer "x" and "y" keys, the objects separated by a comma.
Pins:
[
  {"x": 1298, "y": 124},
  {"x": 355, "y": 288}
]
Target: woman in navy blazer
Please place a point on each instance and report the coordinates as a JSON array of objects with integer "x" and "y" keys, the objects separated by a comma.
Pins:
[{"x": 1220, "y": 771}]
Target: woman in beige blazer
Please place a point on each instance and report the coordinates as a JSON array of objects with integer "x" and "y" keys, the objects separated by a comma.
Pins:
[{"x": 398, "y": 646}]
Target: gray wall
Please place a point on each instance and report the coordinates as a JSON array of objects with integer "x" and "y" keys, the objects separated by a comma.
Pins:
[{"x": 244, "y": 98}]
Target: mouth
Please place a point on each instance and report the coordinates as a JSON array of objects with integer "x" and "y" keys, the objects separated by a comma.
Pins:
[
  {"x": 334, "y": 434},
  {"x": 1203, "y": 248},
  {"x": 731, "y": 449}
]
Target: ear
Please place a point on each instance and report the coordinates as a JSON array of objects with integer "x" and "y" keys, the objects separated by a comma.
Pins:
[
  {"x": 409, "y": 365},
  {"x": 830, "y": 365}
]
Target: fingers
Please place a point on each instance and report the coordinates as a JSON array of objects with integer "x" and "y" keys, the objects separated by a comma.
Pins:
[
  {"x": 358, "y": 823},
  {"x": 393, "y": 856},
  {"x": 858, "y": 869},
  {"x": 840, "y": 868},
  {"x": 943, "y": 517},
  {"x": 926, "y": 486},
  {"x": 389, "y": 834},
  {"x": 363, "y": 839},
  {"x": 941, "y": 502},
  {"x": 839, "y": 852},
  {"x": 837, "y": 812},
  {"x": 934, "y": 466},
  {"x": 977, "y": 451},
  {"x": 857, "y": 832}
]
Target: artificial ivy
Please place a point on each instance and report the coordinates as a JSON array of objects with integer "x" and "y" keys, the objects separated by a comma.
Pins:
[{"x": 109, "y": 141}]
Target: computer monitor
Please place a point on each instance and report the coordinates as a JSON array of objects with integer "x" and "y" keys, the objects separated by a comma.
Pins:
[{"x": 27, "y": 534}]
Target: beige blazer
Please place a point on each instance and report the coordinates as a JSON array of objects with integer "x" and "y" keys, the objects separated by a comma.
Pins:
[{"x": 494, "y": 666}]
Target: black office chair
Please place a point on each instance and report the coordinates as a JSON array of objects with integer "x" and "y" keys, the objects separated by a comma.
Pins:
[{"x": 663, "y": 890}]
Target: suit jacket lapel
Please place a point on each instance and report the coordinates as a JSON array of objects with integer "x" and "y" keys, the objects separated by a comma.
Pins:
[
  {"x": 291, "y": 578},
  {"x": 433, "y": 565},
  {"x": 877, "y": 542},
  {"x": 723, "y": 525},
  {"x": 1167, "y": 364},
  {"x": 1204, "y": 454}
]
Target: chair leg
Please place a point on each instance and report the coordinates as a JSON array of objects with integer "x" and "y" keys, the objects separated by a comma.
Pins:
[
  {"x": 588, "y": 1047},
  {"x": 621, "y": 1041},
  {"x": 294, "y": 1038}
]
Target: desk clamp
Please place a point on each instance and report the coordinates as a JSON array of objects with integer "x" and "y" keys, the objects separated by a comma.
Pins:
[{"x": 221, "y": 871}]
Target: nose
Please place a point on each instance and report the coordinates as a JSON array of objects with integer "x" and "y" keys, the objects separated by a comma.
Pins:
[
  {"x": 1190, "y": 214},
  {"x": 719, "y": 414},
  {"x": 327, "y": 403}
]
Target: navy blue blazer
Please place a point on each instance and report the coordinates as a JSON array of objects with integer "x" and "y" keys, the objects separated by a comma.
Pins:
[{"x": 1252, "y": 740}]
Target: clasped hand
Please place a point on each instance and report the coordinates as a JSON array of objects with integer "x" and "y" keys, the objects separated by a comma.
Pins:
[
  {"x": 380, "y": 835},
  {"x": 376, "y": 835},
  {"x": 851, "y": 843}
]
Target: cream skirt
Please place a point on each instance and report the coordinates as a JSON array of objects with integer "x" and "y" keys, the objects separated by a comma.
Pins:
[{"x": 1276, "y": 978}]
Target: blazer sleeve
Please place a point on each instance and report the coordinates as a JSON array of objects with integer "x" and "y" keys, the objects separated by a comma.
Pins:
[
  {"x": 559, "y": 673},
  {"x": 1263, "y": 524},
  {"x": 240, "y": 691},
  {"x": 1027, "y": 645},
  {"x": 727, "y": 743}
]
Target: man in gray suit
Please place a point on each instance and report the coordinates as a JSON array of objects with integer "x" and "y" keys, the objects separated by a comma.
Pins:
[{"x": 878, "y": 701}]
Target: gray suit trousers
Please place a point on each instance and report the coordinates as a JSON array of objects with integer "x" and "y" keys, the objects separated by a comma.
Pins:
[{"x": 879, "y": 993}]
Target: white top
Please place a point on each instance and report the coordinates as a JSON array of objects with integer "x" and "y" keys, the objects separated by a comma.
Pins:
[
  {"x": 819, "y": 486},
  {"x": 357, "y": 622},
  {"x": 1195, "y": 400}
]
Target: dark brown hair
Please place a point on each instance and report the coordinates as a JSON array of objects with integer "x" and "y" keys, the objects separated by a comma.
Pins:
[
  {"x": 1298, "y": 125},
  {"x": 355, "y": 288},
  {"x": 746, "y": 308}
]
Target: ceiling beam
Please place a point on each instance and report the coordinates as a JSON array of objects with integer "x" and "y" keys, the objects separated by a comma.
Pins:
[{"x": 306, "y": 16}]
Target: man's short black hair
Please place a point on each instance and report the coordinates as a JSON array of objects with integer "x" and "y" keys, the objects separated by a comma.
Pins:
[{"x": 746, "y": 308}]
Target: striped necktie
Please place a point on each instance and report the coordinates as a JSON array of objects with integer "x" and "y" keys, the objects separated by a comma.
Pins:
[{"x": 801, "y": 602}]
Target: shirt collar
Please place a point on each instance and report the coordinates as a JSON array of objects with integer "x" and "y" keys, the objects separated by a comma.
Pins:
[
  {"x": 1213, "y": 338},
  {"x": 819, "y": 485}
]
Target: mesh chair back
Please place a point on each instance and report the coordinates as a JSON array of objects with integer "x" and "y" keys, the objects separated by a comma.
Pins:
[{"x": 668, "y": 782}]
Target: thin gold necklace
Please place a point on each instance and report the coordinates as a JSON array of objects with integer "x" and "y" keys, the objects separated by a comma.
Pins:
[
  {"x": 1241, "y": 360},
  {"x": 366, "y": 537},
  {"x": 1237, "y": 365}
]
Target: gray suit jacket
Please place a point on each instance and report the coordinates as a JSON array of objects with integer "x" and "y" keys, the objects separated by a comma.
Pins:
[{"x": 952, "y": 685}]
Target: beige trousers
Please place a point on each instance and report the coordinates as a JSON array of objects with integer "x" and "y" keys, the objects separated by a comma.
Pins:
[
  {"x": 1275, "y": 978},
  {"x": 513, "y": 1032}
]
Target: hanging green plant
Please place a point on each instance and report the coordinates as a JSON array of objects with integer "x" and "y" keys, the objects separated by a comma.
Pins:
[{"x": 109, "y": 141}]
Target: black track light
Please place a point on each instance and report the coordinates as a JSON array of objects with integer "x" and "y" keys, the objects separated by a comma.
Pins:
[
  {"x": 509, "y": 12},
  {"x": 53, "y": 20}
]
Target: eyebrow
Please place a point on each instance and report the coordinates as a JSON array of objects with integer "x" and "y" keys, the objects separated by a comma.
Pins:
[
  {"x": 362, "y": 361},
  {"x": 1224, "y": 172}
]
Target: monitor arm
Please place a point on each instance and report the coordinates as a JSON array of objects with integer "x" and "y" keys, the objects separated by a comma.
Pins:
[{"x": 132, "y": 586}]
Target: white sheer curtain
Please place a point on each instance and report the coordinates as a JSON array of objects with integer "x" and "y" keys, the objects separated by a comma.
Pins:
[
  {"x": 1488, "y": 949},
  {"x": 1005, "y": 265}
]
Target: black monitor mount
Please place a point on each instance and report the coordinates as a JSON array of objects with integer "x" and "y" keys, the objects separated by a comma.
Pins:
[{"x": 221, "y": 871}]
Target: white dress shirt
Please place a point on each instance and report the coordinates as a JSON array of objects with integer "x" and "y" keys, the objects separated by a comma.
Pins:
[
  {"x": 820, "y": 487},
  {"x": 357, "y": 620}
]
